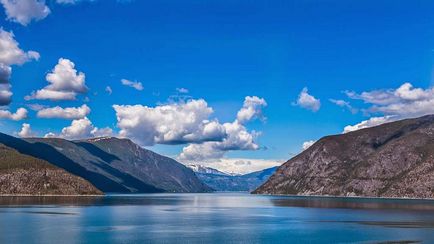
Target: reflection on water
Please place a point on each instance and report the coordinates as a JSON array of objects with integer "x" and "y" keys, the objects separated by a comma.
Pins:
[
  {"x": 353, "y": 203},
  {"x": 213, "y": 218}
]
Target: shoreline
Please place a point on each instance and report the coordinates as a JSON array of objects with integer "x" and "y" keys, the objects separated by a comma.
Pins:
[
  {"x": 247, "y": 193},
  {"x": 346, "y": 197},
  {"x": 28, "y": 195}
]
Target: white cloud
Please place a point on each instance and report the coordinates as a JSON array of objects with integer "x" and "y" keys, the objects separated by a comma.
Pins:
[
  {"x": 45, "y": 94},
  {"x": 252, "y": 109},
  {"x": 67, "y": 1},
  {"x": 307, "y": 101},
  {"x": 65, "y": 83},
  {"x": 241, "y": 165},
  {"x": 182, "y": 90},
  {"x": 26, "y": 131},
  {"x": 237, "y": 135},
  {"x": 174, "y": 123},
  {"x": 36, "y": 106},
  {"x": 344, "y": 104},
  {"x": 134, "y": 84},
  {"x": 10, "y": 52},
  {"x": 307, "y": 144},
  {"x": 20, "y": 114},
  {"x": 24, "y": 11},
  {"x": 80, "y": 129},
  {"x": 109, "y": 90},
  {"x": 189, "y": 122},
  {"x": 394, "y": 104},
  {"x": 50, "y": 135},
  {"x": 374, "y": 121},
  {"x": 64, "y": 113},
  {"x": 238, "y": 138},
  {"x": 102, "y": 132}
]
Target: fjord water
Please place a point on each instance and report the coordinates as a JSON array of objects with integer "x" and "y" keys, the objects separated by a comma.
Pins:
[{"x": 213, "y": 218}]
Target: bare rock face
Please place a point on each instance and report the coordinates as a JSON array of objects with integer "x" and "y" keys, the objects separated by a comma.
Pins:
[
  {"x": 390, "y": 160},
  {"x": 25, "y": 175}
]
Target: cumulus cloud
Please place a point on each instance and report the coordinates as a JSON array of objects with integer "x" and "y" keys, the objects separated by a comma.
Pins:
[
  {"x": 20, "y": 114},
  {"x": 65, "y": 83},
  {"x": 374, "y": 121},
  {"x": 237, "y": 136},
  {"x": 189, "y": 122},
  {"x": 64, "y": 113},
  {"x": 25, "y": 11},
  {"x": 252, "y": 109},
  {"x": 307, "y": 144},
  {"x": 403, "y": 102},
  {"x": 134, "y": 84},
  {"x": 307, "y": 101},
  {"x": 10, "y": 54},
  {"x": 175, "y": 123},
  {"x": 80, "y": 129},
  {"x": 26, "y": 131}
]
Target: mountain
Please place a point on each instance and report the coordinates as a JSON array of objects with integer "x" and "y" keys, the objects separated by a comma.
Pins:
[
  {"x": 25, "y": 175},
  {"x": 111, "y": 164},
  {"x": 200, "y": 169},
  {"x": 221, "y": 181},
  {"x": 390, "y": 160}
]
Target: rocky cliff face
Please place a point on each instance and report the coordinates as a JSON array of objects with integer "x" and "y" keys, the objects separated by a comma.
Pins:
[
  {"x": 25, "y": 175},
  {"x": 390, "y": 160}
]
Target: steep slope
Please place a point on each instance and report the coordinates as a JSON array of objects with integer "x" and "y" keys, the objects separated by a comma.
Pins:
[
  {"x": 151, "y": 168},
  {"x": 221, "y": 181},
  {"x": 390, "y": 160},
  {"x": 25, "y": 175},
  {"x": 109, "y": 172}
]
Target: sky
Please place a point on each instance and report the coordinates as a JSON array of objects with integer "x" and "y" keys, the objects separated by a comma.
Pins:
[{"x": 235, "y": 85}]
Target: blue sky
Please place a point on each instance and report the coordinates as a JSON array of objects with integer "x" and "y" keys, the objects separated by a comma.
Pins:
[{"x": 223, "y": 52}]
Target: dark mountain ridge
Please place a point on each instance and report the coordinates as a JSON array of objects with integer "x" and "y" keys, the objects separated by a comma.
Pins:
[
  {"x": 111, "y": 164},
  {"x": 391, "y": 160}
]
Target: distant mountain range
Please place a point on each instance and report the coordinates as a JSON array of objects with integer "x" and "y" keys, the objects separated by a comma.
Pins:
[
  {"x": 110, "y": 164},
  {"x": 390, "y": 160},
  {"x": 221, "y": 181}
]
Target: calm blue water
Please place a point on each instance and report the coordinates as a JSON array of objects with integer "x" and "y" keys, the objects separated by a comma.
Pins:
[{"x": 213, "y": 218}]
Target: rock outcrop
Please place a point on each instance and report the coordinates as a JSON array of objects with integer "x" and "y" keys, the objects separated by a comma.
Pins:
[
  {"x": 25, "y": 175},
  {"x": 390, "y": 160}
]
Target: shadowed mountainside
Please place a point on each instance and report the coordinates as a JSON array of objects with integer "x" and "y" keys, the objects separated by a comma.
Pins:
[
  {"x": 111, "y": 164},
  {"x": 390, "y": 160}
]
